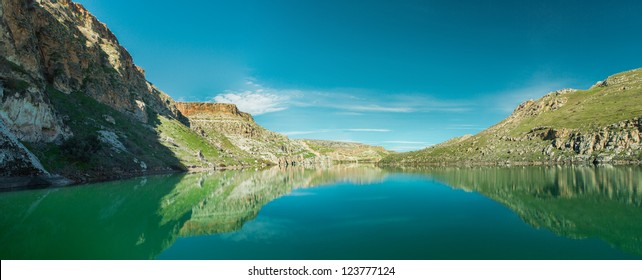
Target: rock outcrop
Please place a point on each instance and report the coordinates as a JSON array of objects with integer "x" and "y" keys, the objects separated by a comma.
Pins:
[
  {"x": 243, "y": 132},
  {"x": 60, "y": 44},
  {"x": 15, "y": 159},
  {"x": 622, "y": 138}
]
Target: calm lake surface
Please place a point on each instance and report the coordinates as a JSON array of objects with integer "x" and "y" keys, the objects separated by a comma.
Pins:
[{"x": 342, "y": 212}]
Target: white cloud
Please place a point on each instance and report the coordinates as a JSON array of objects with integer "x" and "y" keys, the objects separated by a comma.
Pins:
[
  {"x": 317, "y": 131},
  {"x": 378, "y": 108},
  {"x": 349, "y": 114},
  {"x": 290, "y": 133},
  {"x": 258, "y": 99},
  {"x": 254, "y": 102},
  {"x": 508, "y": 100},
  {"x": 463, "y": 126}
]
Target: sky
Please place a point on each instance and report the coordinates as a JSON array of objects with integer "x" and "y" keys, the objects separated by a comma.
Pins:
[{"x": 400, "y": 74}]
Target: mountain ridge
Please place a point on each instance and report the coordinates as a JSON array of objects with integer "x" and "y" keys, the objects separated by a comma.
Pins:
[{"x": 602, "y": 124}]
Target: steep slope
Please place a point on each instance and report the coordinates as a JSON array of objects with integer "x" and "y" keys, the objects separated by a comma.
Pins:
[
  {"x": 73, "y": 96},
  {"x": 347, "y": 151},
  {"x": 210, "y": 119},
  {"x": 599, "y": 125}
]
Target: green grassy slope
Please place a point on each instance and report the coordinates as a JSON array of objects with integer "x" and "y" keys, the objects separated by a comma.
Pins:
[
  {"x": 347, "y": 151},
  {"x": 162, "y": 145},
  {"x": 601, "y": 123}
]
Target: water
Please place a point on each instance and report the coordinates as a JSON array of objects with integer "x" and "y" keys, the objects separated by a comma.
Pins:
[{"x": 344, "y": 212}]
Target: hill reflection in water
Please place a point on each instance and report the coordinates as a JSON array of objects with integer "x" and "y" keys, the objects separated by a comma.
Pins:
[
  {"x": 412, "y": 213},
  {"x": 139, "y": 218},
  {"x": 572, "y": 201}
]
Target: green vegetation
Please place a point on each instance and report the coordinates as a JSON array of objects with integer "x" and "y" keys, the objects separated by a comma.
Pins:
[
  {"x": 590, "y": 109},
  {"x": 16, "y": 85},
  {"x": 14, "y": 67},
  {"x": 319, "y": 148},
  {"x": 81, "y": 149},
  {"x": 194, "y": 149},
  {"x": 560, "y": 127},
  {"x": 347, "y": 152},
  {"x": 109, "y": 144}
]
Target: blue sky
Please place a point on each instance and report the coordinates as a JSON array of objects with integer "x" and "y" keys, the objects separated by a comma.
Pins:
[{"x": 401, "y": 74}]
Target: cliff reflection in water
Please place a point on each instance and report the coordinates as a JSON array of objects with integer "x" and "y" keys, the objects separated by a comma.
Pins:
[
  {"x": 572, "y": 201},
  {"x": 140, "y": 218},
  {"x": 223, "y": 202}
]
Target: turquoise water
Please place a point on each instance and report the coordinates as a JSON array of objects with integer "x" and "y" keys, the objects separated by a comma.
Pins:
[{"x": 343, "y": 212}]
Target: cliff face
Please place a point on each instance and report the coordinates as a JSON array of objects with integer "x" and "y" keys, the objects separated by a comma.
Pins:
[
  {"x": 598, "y": 125},
  {"x": 72, "y": 94},
  {"x": 15, "y": 158},
  {"x": 205, "y": 109},
  {"x": 244, "y": 133},
  {"x": 60, "y": 44}
]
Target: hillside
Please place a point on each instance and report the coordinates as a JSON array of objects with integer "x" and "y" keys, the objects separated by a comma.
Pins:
[
  {"x": 347, "y": 151},
  {"x": 246, "y": 136},
  {"x": 75, "y": 108},
  {"x": 78, "y": 106},
  {"x": 600, "y": 125}
]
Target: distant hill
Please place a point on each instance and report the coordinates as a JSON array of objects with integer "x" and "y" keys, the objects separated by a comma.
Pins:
[
  {"x": 347, "y": 151},
  {"x": 600, "y": 125}
]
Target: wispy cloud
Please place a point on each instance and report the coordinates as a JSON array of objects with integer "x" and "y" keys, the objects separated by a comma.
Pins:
[
  {"x": 257, "y": 99},
  {"x": 377, "y": 108},
  {"x": 292, "y": 133},
  {"x": 317, "y": 131},
  {"x": 348, "y": 114},
  {"x": 255, "y": 103},
  {"x": 508, "y": 100},
  {"x": 462, "y": 126}
]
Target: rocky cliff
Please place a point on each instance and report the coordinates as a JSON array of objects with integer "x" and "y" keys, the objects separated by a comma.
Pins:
[
  {"x": 75, "y": 104},
  {"x": 600, "y": 125},
  {"x": 244, "y": 133},
  {"x": 60, "y": 44},
  {"x": 74, "y": 97}
]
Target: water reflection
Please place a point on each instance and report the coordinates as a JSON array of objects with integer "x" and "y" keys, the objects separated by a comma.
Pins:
[
  {"x": 572, "y": 201},
  {"x": 139, "y": 218},
  {"x": 223, "y": 202}
]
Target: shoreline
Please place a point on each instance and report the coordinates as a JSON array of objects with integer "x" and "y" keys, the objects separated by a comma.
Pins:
[
  {"x": 10, "y": 184},
  {"x": 510, "y": 163}
]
